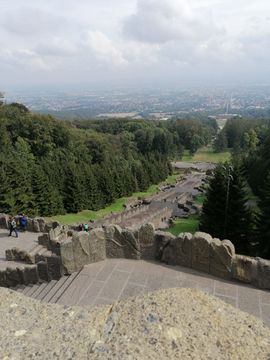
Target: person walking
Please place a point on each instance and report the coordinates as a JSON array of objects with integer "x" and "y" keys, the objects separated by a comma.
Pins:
[
  {"x": 23, "y": 222},
  {"x": 12, "y": 226}
]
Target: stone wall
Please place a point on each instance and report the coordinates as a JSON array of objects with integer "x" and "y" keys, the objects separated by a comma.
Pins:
[
  {"x": 33, "y": 224},
  {"x": 199, "y": 251},
  {"x": 71, "y": 250}
]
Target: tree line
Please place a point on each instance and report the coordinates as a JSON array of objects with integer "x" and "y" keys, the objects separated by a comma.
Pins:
[
  {"x": 50, "y": 167},
  {"x": 237, "y": 204}
]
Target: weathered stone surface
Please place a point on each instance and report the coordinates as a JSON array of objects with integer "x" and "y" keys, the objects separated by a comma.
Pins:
[
  {"x": 33, "y": 225},
  {"x": 162, "y": 240},
  {"x": 42, "y": 224},
  {"x": 13, "y": 277},
  {"x": 81, "y": 249},
  {"x": 168, "y": 324},
  {"x": 263, "y": 274},
  {"x": 55, "y": 269},
  {"x": 44, "y": 240},
  {"x": 146, "y": 236},
  {"x": 201, "y": 251},
  {"x": 121, "y": 243},
  {"x": 30, "y": 275},
  {"x": 97, "y": 245},
  {"x": 43, "y": 273},
  {"x": 221, "y": 258},
  {"x": 178, "y": 251},
  {"x": 3, "y": 221},
  {"x": 244, "y": 268},
  {"x": 67, "y": 257},
  {"x": 3, "y": 278}
]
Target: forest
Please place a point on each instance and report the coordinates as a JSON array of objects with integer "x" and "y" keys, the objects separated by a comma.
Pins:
[{"x": 50, "y": 167}]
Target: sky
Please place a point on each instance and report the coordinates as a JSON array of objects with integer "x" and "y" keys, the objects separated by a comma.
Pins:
[{"x": 134, "y": 42}]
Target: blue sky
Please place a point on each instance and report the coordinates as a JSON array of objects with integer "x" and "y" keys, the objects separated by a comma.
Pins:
[{"x": 130, "y": 42}]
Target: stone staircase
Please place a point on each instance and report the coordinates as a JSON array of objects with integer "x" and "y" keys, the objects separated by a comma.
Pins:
[
  {"x": 47, "y": 292},
  {"x": 40, "y": 263}
]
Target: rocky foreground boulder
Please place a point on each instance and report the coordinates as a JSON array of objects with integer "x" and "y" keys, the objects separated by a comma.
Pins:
[{"x": 169, "y": 324}]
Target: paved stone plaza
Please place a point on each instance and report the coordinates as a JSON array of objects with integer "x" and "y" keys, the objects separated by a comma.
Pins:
[{"x": 110, "y": 280}]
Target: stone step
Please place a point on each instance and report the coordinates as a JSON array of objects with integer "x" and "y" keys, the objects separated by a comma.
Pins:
[
  {"x": 27, "y": 289},
  {"x": 39, "y": 290},
  {"x": 64, "y": 287},
  {"x": 46, "y": 290},
  {"x": 56, "y": 290}
]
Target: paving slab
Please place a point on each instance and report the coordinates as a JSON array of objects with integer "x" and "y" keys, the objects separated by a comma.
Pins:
[
  {"x": 111, "y": 280},
  {"x": 25, "y": 241}
]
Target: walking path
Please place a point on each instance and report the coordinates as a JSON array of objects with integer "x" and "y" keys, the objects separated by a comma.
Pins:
[
  {"x": 25, "y": 241},
  {"x": 114, "y": 279}
]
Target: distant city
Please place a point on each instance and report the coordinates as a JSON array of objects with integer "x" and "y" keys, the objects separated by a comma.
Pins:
[{"x": 152, "y": 104}]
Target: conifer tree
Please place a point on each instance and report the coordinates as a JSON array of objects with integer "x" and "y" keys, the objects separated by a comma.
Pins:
[
  {"x": 225, "y": 213},
  {"x": 264, "y": 219}
]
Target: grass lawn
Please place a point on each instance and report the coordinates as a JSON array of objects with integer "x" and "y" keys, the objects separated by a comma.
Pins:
[
  {"x": 199, "y": 199},
  {"x": 190, "y": 225},
  {"x": 117, "y": 206},
  {"x": 207, "y": 154}
]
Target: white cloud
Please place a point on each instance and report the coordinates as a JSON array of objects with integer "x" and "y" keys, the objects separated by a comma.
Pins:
[{"x": 104, "y": 49}]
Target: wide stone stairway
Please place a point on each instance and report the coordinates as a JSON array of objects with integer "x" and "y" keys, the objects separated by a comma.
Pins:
[{"x": 111, "y": 280}]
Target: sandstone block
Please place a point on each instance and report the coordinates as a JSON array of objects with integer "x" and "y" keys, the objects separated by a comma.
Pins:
[
  {"x": 146, "y": 236},
  {"x": 33, "y": 225},
  {"x": 201, "y": 251},
  {"x": 244, "y": 268},
  {"x": 42, "y": 269},
  {"x": 81, "y": 249},
  {"x": 97, "y": 245},
  {"x": 263, "y": 274},
  {"x": 121, "y": 243},
  {"x": 44, "y": 240},
  {"x": 13, "y": 277},
  {"x": 178, "y": 251},
  {"x": 221, "y": 258},
  {"x": 54, "y": 264},
  {"x": 162, "y": 239},
  {"x": 42, "y": 224},
  {"x": 3, "y": 280},
  {"x": 3, "y": 221},
  {"x": 30, "y": 275},
  {"x": 67, "y": 257}
]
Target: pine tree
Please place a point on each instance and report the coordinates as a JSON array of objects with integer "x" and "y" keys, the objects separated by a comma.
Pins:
[
  {"x": 225, "y": 213},
  {"x": 264, "y": 219}
]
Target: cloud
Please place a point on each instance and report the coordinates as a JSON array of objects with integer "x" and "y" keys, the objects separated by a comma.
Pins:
[
  {"x": 29, "y": 21},
  {"x": 156, "y": 21},
  {"x": 104, "y": 49}
]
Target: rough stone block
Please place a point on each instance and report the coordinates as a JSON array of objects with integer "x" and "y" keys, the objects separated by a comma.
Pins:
[
  {"x": 263, "y": 274},
  {"x": 121, "y": 243},
  {"x": 42, "y": 268},
  {"x": 244, "y": 268},
  {"x": 3, "y": 221},
  {"x": 67, "y": 257},
  {"x": 201, "y": 251},
  {"x": 33, "y": 225},
  {"x": 97, "y": 245},
  {"x": 162, "y": 239},
  {"x": 54, "y": 267},
  {"x": 146, "y": 235},
  {"x": 3, "y": 278},
  {"x": 221, "y": 258},
  {"x": 178, "y": 251},
  {"x": 44, "y": 240},
  {"x": 13, "y": 277},
  {"x": 81, "y": 249},
  {"x": 42, "y": 224},
  {"x": 30, "y": 275}
]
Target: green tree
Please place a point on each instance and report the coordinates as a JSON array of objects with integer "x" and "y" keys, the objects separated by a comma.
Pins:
[
  {"x": 264, "y": 219},
  {"x": 225, "y": 213}
]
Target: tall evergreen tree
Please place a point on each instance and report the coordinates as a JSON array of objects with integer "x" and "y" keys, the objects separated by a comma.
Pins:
[
  {"x": 225, "y": 213},
  {"x": 264, "y": 219}
]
